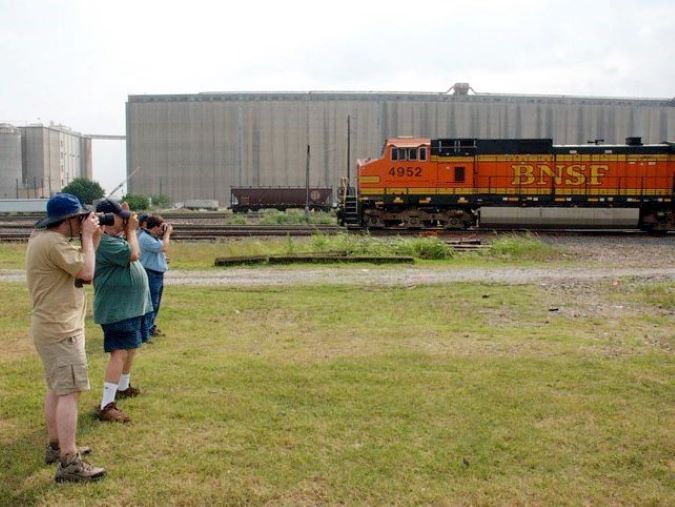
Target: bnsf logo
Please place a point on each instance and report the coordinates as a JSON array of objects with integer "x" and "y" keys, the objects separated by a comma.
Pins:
[{"x": 573, "y": 175}]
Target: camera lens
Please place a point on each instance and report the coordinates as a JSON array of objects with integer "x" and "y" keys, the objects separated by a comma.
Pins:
[{"x": 106, "y": 218}]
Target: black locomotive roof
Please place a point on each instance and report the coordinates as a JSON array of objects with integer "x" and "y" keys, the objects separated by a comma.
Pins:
[
  {"x": 650, "y": 149},
  {"x": 470, "y": 146}
]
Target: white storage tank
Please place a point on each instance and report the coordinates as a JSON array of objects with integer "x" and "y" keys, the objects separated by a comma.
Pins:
[{"x": 10, "y": 160}]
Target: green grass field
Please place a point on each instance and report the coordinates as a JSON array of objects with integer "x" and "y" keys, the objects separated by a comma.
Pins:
[
  {"x": 201, "y": 255},
  {"x": 452, "y": 395}
]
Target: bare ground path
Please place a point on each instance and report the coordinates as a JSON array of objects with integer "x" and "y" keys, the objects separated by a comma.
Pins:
[{"x": 274, "y": 277}]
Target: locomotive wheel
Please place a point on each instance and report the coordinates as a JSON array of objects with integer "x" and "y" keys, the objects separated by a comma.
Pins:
[
  {"x": 412, "y": 223},
  {"x": 454, "y": 223}
]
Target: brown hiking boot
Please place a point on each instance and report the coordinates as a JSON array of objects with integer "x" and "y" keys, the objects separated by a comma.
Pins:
[
  {"x": 52, "y": 455},
  {"x": 75, "y": 469},
  {"x": 112, "y": 414},
  {"x": 129, "y": 392}
]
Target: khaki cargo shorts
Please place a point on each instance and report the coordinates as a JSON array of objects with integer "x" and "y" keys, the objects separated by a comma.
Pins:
[{"x": 65, "y": 365}]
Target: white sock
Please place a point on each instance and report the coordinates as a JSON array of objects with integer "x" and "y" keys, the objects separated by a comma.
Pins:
[
  {"x": 109, "y": 392},
  {"x": 124, "y": 382}
]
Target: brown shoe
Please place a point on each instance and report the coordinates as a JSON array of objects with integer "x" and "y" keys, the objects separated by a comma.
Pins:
[
  {"x": 158, "y": 332},
  {"x": 75, "y": 469},
  {"x": 112, "y": 414},
  {"x": 129, "y": 392},
  {"x": 52, "y": 455}
]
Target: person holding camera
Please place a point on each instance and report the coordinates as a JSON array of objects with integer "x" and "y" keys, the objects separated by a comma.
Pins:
[
  {"x": 142, "y": 220},
  {"x": 154, "y": 241},
  {"x": 122, "y": 304},
  {"x": 55, "y": 270}
]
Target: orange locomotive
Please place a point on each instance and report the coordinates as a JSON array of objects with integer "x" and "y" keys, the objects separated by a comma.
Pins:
[{"x": 458, "y": 183}]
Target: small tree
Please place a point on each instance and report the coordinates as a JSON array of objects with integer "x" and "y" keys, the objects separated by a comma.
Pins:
[
  {"x": 87, "y": 191},
  {"x": 136, "y": 202},
  {"x": 161, "y": 201}
]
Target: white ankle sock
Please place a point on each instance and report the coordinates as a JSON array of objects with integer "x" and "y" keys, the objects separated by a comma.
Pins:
[
  {"x": 109, "y": 392},
  {"x": 124, "y": 382}
]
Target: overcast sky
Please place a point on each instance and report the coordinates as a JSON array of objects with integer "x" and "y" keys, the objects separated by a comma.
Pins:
[{"x": 74, "y": 62}]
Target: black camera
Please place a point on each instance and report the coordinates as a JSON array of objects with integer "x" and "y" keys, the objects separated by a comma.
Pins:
[{"x": 106, "y": 218}]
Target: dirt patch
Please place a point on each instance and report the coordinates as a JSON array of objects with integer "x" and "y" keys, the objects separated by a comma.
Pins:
[{"x": 618, "y": 251}]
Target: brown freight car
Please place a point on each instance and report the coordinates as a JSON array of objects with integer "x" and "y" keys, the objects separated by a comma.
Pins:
[{"x": 245, "y": 199}]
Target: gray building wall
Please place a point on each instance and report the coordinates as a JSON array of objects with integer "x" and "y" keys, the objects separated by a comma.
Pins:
[
  {"x": 10, "y": 161},
  {"x": 198, "y": 146},
  {"x": 51, "y": 158},
  {"x": 86, "y": 160}
]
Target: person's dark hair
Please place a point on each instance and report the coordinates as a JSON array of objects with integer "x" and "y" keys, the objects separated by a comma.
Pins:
[
  {"x": 154, "y": 221},
  {"x": 54, "y": 225}
]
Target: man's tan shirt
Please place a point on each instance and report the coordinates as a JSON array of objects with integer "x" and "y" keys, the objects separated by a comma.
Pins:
[{"x": 58, "y": 306}]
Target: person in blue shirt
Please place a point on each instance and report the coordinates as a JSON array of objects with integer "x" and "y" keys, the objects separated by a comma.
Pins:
[{"x": 154, "y": 242}]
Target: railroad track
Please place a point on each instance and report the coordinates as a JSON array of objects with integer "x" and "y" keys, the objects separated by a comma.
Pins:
[
  {"x": 18, "y": 232},
  {"x": 172, "y": 216}
]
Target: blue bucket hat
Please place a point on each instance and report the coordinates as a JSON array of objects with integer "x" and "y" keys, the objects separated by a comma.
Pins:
[{"x": 61, "y": 206}]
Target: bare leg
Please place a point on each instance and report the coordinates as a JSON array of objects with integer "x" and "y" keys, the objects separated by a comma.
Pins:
[
  {"x": 51, "y": 400},
  {"x": 66, "y": 422},
  {"x": 115, "y": 366},
  {"x": 131, "y": 353}
]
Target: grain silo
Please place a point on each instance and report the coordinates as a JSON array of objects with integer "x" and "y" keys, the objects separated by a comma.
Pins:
[
  {"x": 52, "y": 157},
  {"x": 10, "y": 161}
]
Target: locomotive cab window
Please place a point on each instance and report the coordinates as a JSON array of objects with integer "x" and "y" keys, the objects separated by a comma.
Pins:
[
  {"x": 408, "y": 153},
  {"x": 459, "y": 174},
  {"x": 399, "y": 153}
]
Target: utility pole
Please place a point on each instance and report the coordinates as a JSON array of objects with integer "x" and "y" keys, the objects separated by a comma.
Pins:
[
  {"x": 307, "y": 187},
  {"x": 349, "y": 139}
]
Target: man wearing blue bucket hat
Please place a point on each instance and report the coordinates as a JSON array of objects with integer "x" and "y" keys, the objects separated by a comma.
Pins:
[{"x": 55, "y": 270}]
